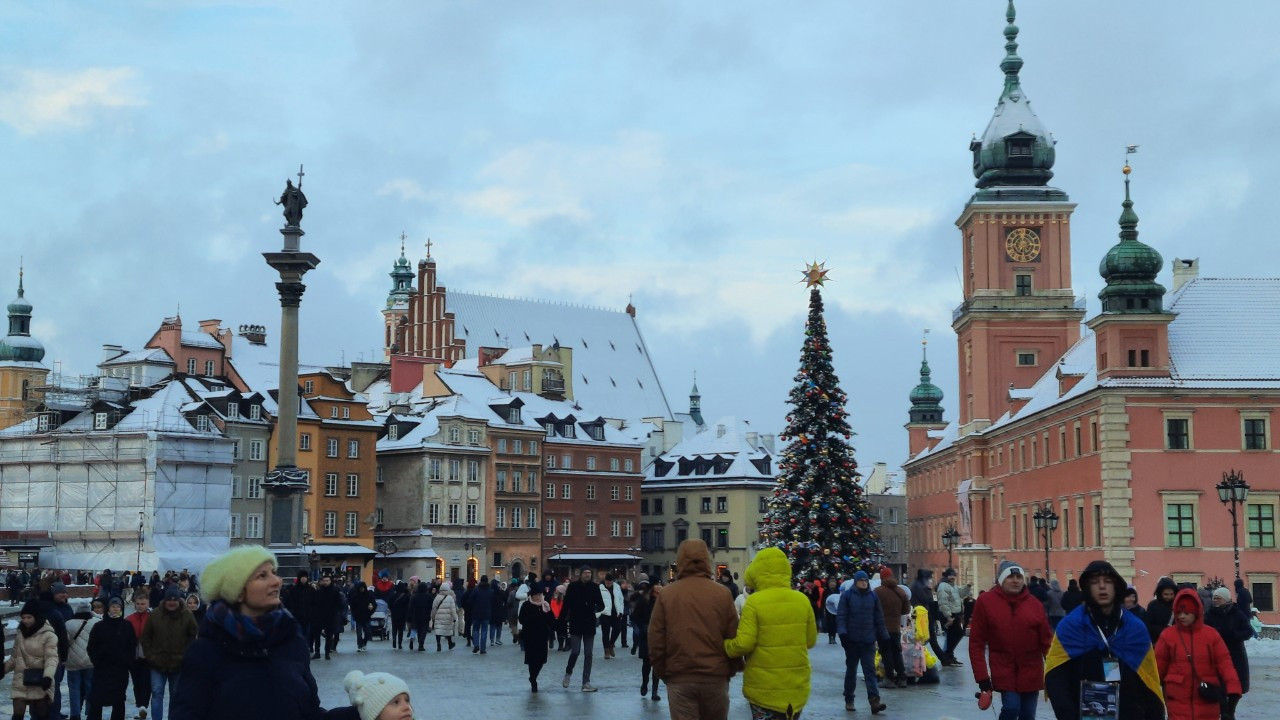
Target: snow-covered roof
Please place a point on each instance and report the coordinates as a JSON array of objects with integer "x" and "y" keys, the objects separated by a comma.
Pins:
[
  {"x": 612, "y": 370},
  {"x": 146, "y": 355},
  {"x": 201, "y": 339},
  {"x": 1211, "y": 314},
  {"x": 718, "y": 452}
]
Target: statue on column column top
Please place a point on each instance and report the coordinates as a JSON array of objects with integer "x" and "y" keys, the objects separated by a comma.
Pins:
[{"x": 293, "y": 201}]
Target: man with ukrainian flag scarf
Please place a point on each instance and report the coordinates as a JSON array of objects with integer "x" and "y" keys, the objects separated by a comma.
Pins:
[{"x": 1099, "y": 630}]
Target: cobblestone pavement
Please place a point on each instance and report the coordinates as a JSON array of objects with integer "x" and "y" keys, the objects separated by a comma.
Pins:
[{"x": 497, "y": 682}]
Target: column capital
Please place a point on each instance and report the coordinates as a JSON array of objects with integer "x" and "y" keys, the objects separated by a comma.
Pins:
[{"x": 290, "y": 293}]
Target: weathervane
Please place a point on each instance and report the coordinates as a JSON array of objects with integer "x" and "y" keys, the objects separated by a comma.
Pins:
[{"x": 815, "y": 274}]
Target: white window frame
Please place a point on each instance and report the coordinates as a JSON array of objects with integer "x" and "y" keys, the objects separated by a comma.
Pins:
[
  {"x": 591, "y": 462},
  {"x": 353, "y": 485},
  {"x": 551, "y": 527},
  {"x": 591, "y": 528},
  {"x": 255, "y": 450},
  {"x": 455, "y": 435},
  {"x": 308, "y": 387},
  {"x": 433, "y": 513},
  {"x": 235, "y": 449},
  {"x": 352, "y": 528},
  {"x": 304, "y": 441},
  {"x": 353, "y": 449},
  {"x": 566, "y": 527},
  {"x": 331, "y": 447},
  {"x": 100, "y": 421},
  {"x": 629, "y": 493},
  {"x": 333, "y": 412},
  {"x": 517, "y": 477},
  {"x": 473, "y": 471},
  {"x": 473, "y": 436},
  {"x": 615, "y": 528},
  {"x": 591, "y": 491},
  {"x": 566, "y": 491},
  {"x": 473, "y": 513},
  {"x": 235, "y": 525},
  {"x": 613, "y": 464},
  {"x": 551, "y": 491},
  {"x": 255, "y": 412},
  {"x": 502, "y": 445},
  {"x": 233, "y": 411},
  {"x": 237, "y": 487},
  {"x": 615, "y": 492},
  {"x": 191, "y": 366},
  {"x": 455, "y": 470},
  {"x": 253, "y": 490},
  {"x": 433, "y": 469},
  {"x": 393, "y": 432},
  {"x": 631, "y": 528},
  {"x": 533, "y": 447},
  {"x": 330, "y": 523},
  {"x": 202, "y": 423},
  {"x": 628, "y": 465},
  {"x": 517, "y": 447},
  {"x": 551, "y": 462},
  {"x": 500, "y": 517},
  {"x": 566, "y": 462},
  {"x": 531, "y": 523},
  {"x": 253, "y": 526},
  {"x": 331, "y": 485},
  {"x": 500, "y": 481},
  {"x": 516, "y": 516},
  {"x": 455, "y": 513}
]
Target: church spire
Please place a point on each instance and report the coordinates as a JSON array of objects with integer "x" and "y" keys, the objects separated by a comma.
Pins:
[
  {"x": 926, "y": 398},
  {"x": 1130, "y": 267},
  {"x": 19, "y": 346},
  {"x": 695, "y": 402},
  {"x": 1014, "y": 158},
  {"x": 1011, "y": 63}
]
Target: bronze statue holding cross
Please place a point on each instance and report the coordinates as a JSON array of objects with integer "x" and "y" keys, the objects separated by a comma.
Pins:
[{"x": 293, "y": 201}]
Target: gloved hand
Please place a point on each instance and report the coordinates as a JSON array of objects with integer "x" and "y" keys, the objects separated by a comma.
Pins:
[
  {"x": 985, "y": 685},
  {"x": 46, "y": 683}
]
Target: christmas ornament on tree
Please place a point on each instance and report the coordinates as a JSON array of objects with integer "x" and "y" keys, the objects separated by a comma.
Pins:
[{"x": 818, "y": 482}]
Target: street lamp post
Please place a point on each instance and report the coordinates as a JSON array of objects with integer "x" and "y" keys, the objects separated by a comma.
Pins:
[
  {"x": 1234, "y": 490},
  {"x": 949, "y": 540},
  {"x": 1046, "y": 521}
]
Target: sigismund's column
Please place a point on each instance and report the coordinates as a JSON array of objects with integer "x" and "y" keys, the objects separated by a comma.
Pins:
[{"x": 286, "y": 482}]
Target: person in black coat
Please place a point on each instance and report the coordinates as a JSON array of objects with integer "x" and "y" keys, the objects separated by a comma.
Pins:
[
  {"x": 1072, "y": 597},
  {"x": 498, "y": 613},
  {"x": 398, "y": 603},
  {"x": 362, "y": 604},
  {"x": 326, "y": 617},
  {"x": 249, "y": 661},
  {"x": 420, "y": 612},
  {"x": 299, "y": 599},
  {"x": 1233, "y": 625},
  {"x": 535, "y": 629},
  {"x": 479, "y": 607},
  {"x": 582, "y": 603},
  {"x": 1244, "y": 598},
  {"x": 1160, "y": 609},
  {"x": 112, "y": 645}
]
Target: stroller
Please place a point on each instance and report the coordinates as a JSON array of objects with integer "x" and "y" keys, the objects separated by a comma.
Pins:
[{"x": 380, "y": 621}]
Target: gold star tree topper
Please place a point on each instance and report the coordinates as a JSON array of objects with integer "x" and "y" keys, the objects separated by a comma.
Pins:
[{"x": 815, "y": 274}]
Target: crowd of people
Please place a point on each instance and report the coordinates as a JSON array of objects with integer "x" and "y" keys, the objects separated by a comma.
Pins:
[{"x": 248, "y": 653}]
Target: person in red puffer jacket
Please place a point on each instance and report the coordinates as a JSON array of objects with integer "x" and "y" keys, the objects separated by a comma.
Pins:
[
  {"x": 1189, "y": 653},
  {"x": 1010, "y": 635}
]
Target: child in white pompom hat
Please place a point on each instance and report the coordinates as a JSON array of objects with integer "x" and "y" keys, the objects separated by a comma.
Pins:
[{"x": 378, "y": 696}]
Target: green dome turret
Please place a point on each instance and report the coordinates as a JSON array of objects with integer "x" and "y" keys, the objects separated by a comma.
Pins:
[
  {"x": 401, "y": 279},
  {"x": 18, "y": 345},
  {"x": 1130, "y": 267},
  {"x": 1016, "y": 150},
  {"x": 926, "y": 398}
]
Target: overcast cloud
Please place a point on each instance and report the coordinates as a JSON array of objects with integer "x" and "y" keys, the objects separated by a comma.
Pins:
[{"x": 693, "y": 155}]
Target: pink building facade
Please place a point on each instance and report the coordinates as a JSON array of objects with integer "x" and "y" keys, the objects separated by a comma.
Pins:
[{"x": 1121, "y": 427}]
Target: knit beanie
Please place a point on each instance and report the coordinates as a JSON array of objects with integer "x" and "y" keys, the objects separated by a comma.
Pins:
[
  {"x": 1223, "y": 593},
  {"x": 116, "y": 602},
  {"x": 1008, "y": 568},
  {"x": 224, "y": 578},
  {"x": 57, "y": 588},
  {"x": 370, "y": 693},
  {"x": 173, "y": 592},
  {"x": 886, "y": 573},
  {"x": 860, "y": 575}
]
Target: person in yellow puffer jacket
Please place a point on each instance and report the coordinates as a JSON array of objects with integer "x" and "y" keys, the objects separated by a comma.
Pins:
[{"x": 775, "y": 634}]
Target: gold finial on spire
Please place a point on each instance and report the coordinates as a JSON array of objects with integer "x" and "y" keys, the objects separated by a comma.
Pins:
[
  {"x": 1128, "y": 150},
  {"x": 815, "y": 274}
]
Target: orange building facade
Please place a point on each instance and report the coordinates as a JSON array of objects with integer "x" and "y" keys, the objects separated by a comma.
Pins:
[{"x": 1121, "y": 428}]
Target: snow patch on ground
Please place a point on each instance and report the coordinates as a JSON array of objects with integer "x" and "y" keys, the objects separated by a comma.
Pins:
[{"x": 1262, "y": 648}]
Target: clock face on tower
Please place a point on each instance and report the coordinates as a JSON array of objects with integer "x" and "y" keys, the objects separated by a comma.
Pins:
[{"x": 1022, "y": 245}]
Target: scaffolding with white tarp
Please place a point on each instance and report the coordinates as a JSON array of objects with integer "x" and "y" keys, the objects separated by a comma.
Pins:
[{"x": 152, "y": 493}]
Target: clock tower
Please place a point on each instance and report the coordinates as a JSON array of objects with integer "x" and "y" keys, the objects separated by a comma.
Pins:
[{"x": 1019, "y": 313}]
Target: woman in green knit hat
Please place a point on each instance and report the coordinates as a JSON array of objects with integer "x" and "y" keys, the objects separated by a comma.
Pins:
[{"x": 249, "y": 660}]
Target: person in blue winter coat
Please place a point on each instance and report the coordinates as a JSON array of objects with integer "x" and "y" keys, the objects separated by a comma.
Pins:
[
  {"x": 860, "y": 623},
  {"x": 249, "y": 661},
  {"x": 479, "y": 611}
]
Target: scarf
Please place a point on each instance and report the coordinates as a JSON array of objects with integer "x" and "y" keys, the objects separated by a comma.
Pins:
[{"x": 268, "y": 628}]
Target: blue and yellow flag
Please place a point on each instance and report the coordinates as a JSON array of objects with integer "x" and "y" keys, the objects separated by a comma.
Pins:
[{"x": 1077, "y": 635}]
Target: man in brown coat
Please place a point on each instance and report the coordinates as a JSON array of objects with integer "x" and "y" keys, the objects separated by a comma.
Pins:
[
  {"x": 896, "y": 602},
  {"x": 693, "y": 617}
]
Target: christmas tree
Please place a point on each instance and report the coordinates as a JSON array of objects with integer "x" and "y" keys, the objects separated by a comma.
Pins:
[{"x": 818, "y": 514}]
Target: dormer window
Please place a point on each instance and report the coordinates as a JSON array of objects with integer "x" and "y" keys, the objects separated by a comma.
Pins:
[
  {"x": 570, "y": 430},
  {"x": 100, "y": 421},
  {"x": 393, "y": 433},
  {"x": 1020, "y": 147},
  {"x": 455, "y": 435},
  {"x": 233, "y": 411},
  {"x": 513, "y": 415},
  {"x": 202, "y": 423},
  {"x": 255, "y": 412}
]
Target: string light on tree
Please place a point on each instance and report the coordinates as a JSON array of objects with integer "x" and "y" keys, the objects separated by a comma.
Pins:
[{"x": 818, "y": 514}]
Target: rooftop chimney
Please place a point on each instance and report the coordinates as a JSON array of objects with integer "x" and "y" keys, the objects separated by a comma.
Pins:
[
  {"x": 111, "y": 352},
  {"x": 1185, "y": 271},
  {"x": 255, "y": 334}
]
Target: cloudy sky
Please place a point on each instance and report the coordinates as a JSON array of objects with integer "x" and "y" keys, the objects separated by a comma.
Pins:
[{"x": 692, "y": 154}]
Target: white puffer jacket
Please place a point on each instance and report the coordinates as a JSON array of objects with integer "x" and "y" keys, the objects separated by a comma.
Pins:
[{"x": 78, "y": 636}]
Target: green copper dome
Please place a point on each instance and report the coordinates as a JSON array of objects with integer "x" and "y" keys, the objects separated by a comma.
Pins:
[
  {"x": 18, "y": 345},
  {"x": 926, "y": 398},
  {"x": 1130, "y": 268},
  {"x": 401, "y": 280},
  {"x": 1016, "y": 149}
]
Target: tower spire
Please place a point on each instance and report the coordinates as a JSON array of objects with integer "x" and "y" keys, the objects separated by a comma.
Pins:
[
  {"x": 1130, "y": 266},
  {"x": 1011, "y": 63}
]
